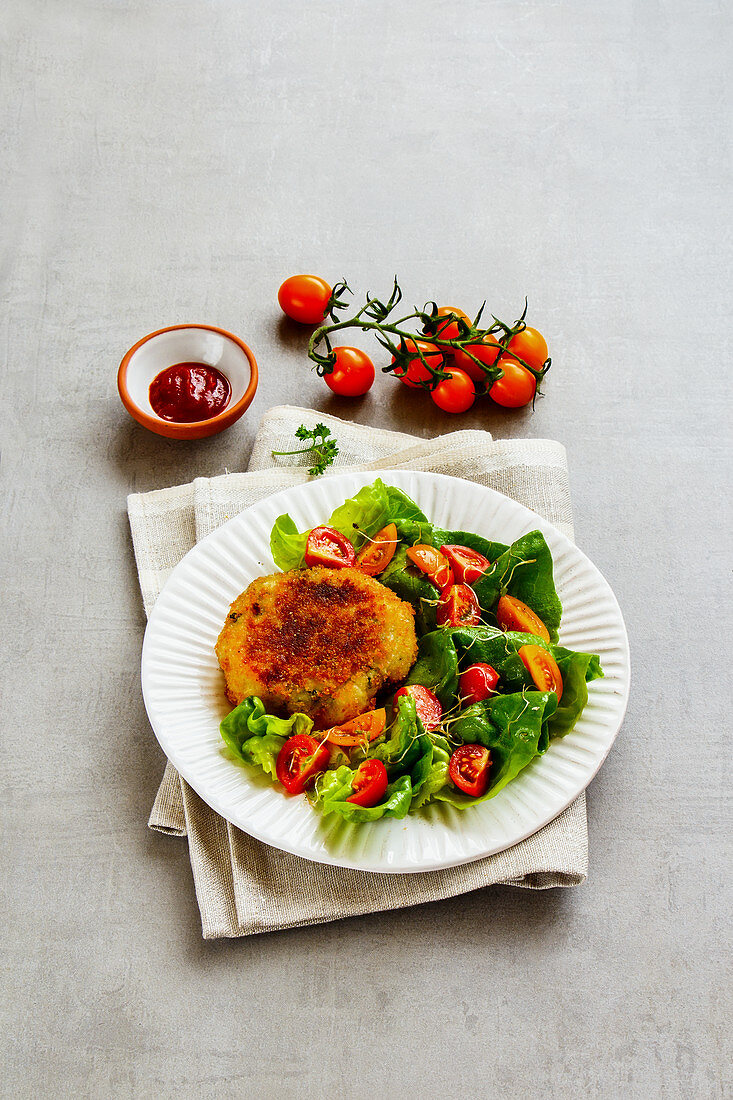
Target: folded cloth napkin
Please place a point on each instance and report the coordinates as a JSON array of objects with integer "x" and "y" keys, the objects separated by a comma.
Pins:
[{"x": 242, "y": 885}]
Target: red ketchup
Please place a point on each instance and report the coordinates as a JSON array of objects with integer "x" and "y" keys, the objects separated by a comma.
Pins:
[{"x": 187, "y": 392}]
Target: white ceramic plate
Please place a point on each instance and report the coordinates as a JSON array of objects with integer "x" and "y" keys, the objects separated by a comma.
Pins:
[{"x": 183, "y": 686}]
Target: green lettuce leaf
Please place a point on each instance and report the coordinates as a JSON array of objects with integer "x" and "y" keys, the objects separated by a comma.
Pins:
[
  {"x": 490, "y": 550},
  {"x": 437, "y": 666},
  {"x": 437, "y": 774},
  {"x": 336, "y": 786},
  {"x": 256, "y": 737},
  {"x": 524, "y": 571},
  {"x": 411, "y": 585}
]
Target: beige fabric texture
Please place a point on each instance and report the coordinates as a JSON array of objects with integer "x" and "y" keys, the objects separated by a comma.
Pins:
[{"x": 244, "y": 886}]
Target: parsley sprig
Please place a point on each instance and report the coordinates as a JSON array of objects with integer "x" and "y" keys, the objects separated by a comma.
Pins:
[{"x": 321, "y": 448}]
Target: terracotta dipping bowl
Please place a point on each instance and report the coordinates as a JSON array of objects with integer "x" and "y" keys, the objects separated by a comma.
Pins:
[{"x": 187, "y": 344}]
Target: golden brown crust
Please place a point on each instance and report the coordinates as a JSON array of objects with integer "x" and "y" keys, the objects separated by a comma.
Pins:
[{"x": 322, "y": 641}]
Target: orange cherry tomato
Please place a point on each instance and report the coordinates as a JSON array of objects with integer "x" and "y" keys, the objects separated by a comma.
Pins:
[
  {"x": 456, "y": 393},
  {"x": 352, "y": 374},
  {"x": 432, "y": 563},
  {"x": 531, "y": 346},
  {"x": 517, "y": 386},
  {"x": 378, "y": 553},
  {"x": 487, "y": 351},
  {"x": 542, "y": 667},
  {"x": 446, "y": 325},
  {"x": 299, "y": 761},
  {"x": 369, "y": 783},
  {"x": 458, "y": 606},
  {"x": 416, "y": 371},
  {"x": 366, "y": 727},
  {"x": 512, "y": 614},
  {"x": 305, "y": 298},
  {"x": 427, "y": 704},
  {"x": 469, "y": 769}
]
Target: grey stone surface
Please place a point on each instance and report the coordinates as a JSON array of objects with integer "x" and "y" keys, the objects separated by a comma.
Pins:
[{"x": 165, "y": 162}]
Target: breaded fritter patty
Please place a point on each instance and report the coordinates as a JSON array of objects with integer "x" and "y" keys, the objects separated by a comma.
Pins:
[{"x": 321, "y": 641}]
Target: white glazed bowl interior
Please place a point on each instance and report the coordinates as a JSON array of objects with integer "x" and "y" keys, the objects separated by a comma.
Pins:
[{"x": 186, "y": 345}]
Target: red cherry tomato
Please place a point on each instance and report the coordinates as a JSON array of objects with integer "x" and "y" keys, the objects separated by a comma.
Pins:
[
  {"x": 477, "y": 682},
  {"x": 467, "y": 565},
  {"x": 299, "y": 761},
  {"x": 369, "y": 783},
  {"x": 469, "y": 769},
  {"x": 487, "y": 351},
  {"x": 305, "y": 298},
  {"x": 415, "y": 371},
  {"x": 432, "y": 563},
  {"x": 446, "y": 325},
  {"x": 531, "y": 346},
  {"x": 427, "y": 704},
  {"x": 353, "y": 372},
  {"x": 456, "y": 393},
  {"x": 517, "y": 386},
  {"x": 458, "y": 606},
  {"x": 379, "y": 551},
  {"x": 326, "y": 546}
]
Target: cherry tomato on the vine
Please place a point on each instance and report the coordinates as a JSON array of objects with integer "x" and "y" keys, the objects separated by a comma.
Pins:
[
  {"x": 369, "y": 783},
  {"x": 469, "y": 769},
  {"x": 446, "y": 326},
  {"x": 326, "y": 546},
  {"x": 456, "y": 393},
  {"x": 305, "y": 298},
  {"x": 487, "y": 351},
  {"x": 427, "y": 704},
  {"x": 299, "y": 761},
  {"x": 415, "y": 370},
  {"x": 477, "y": 682},
  {"x": 352, "y": 374},
  {"x": 517, "y": 386},
  {"x": 531, "y": 346}
]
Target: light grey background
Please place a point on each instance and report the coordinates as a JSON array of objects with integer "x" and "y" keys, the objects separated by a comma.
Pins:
[{"x": 165, "y": 162}]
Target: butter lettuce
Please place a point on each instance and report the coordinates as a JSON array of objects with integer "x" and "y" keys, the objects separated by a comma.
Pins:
[
  {"x": 336, "y": 787},
  {"x": 256, "y": 737},
  {"x": 525, "y": 571}
]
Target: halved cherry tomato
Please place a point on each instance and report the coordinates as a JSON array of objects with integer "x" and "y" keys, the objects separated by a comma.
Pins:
[
  {"x": 467, "y": 565},
  {"x": 469, "y": 769},
  {"x": 542, "y": 667},
  {"x": 369, "y": 783},
  {"x": 365, "y": 727},
  {"x": 427, "y": 704},
  {"x": 326, "y": 546},
  {"x": 477, "y": 682},
  {"x": 487, "y": 351},
  {"x": 512, "y": 614},
  {"x": 378, "y": 553},
  {"x": 531, "y": 346},
  {"x": 456, "y": 393},
  {"x": 516, "y": 387},
  {"x": 445, "y": 323},
  {"x": 299, "y": 761},
  {"x": 458, "y": 606},
  {"x": 353, "y": 372},
  {"x": 432, "y": 563},
  {"x": 305, "y": 298},
  {"x": 415, "y": 370}
]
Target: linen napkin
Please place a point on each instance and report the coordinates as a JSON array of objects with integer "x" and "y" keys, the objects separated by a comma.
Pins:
[{"x": 242, "y": 885}]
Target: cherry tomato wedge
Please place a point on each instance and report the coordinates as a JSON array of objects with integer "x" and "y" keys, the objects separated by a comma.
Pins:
[
  {"x": 427, "y": 704},
  {"x": 467, "y": 565},
  {"x": 378, "y": 553},
  {"x": 469, "y": 769},
  {"x": 415, "y": 371},
  {"x": 487, "y": 352},
  {"x": 458, "y": 606},
  {"x": 531, "y": 346},
  {"x": 432, "y": 563},
  {"x": 369, "y": 783},
  {"x": 456, "y": 393},
  {"x": 305, "y": 298},
  {"x": 542, "y": 667},
  {"x": 512, "y": 614},
  {"x": 352, "y": 374},
  {"x": 515, "y": 388},
  {"x": 299, "y": 761},
  {"x": 365, "y": 727},
  {"x": 326, "y": 546},
  {"x": 477, "y": 682}
]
